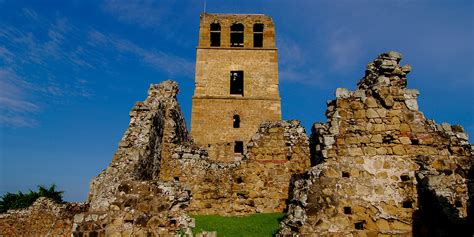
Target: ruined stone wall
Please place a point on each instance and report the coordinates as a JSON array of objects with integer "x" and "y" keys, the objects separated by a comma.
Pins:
[
  {"x": 383, "y": 167},
  {"x": 43, "y": 218},
  {"x": 257, "y": 183},
  {"x": 155, "y": 124},
  {"x": 140, "y": 208},
  {"x": 224, "y": 152},
  {"x": 127, "y": 198}
]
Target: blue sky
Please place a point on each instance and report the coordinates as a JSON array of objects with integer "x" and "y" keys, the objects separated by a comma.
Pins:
[{"x": 70, "y": 71}]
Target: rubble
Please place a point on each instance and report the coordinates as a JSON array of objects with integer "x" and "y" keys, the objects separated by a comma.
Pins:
[
  {"x": 382, "y": 167},
  {"x": 43, "y": 216}
]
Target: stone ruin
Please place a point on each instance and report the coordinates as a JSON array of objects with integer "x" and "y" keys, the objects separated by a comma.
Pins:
[
  {"x": 383, "y": 168},
  {"x": 377, "y": 167},
  {"x": 43, "y": 218}
]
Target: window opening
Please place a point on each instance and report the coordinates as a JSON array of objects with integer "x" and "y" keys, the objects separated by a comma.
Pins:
[
  {"x": 236, "y": 121},
  {"x": 345, "y": 174},
  {"x": 415, "y": 141},
  {"x": 405, "y": 178},
  {"x": 215, "y": 34},
  {"x": 237, "y": 82},
  {"x": 258, "y": 35},
  {"x": 359, "y": 225},
  {"x": 407, "y": 204},
  {"x": 239, "y": 147},
  {"x": 237, "y": 35},
  {"x": 347, "y": 210}
]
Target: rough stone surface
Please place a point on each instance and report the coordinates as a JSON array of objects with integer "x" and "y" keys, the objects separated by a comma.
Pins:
[
  {"x": 377, "y": 167},
  {"x": 155, "y": 125},
  {"x": 140, "y": 208},
  {"x": 257, "y": 183},
  {"x": 383, "y": 168},
  {"x": 128, "y": 196},
  {"x": 44, "y": 218},
  {"x": 213, "y": 107}
]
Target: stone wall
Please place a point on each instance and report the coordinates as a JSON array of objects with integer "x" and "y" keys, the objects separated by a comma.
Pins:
[
  {"x": 127, "y": 197},
  {"x": 155, "y": 124},
  {"x": 140, "y": 208},
  {"x": 213, "y": 119},
  {"x": 213, "y": 67},
  {"x": 213, "y": 104},
  {"x": 43, "y": 218},
  {"x": 226, "y": 20},
  {"x": 379, "y": 168},
  {"x": 257, "y": 183},
  {"x": 383, "y": 168}
]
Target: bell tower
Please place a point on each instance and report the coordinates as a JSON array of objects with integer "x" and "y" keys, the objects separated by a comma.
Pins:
[{"x": 236, "y": 82}]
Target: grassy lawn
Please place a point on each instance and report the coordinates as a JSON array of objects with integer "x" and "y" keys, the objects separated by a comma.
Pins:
[{"x": 263, "y": 224}]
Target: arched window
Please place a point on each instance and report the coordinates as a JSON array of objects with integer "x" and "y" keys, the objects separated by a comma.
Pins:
[
  {"x": 258, "y": 35},
  {"x": 236, "y": 121},
  {"x": 237, "y": 35},
  {"x": 215, "y": 35}
]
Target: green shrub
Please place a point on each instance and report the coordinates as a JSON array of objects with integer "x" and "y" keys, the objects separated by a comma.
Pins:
[
  {"x": 23, "y": 200},
  {"x": 258, "y": 225}
]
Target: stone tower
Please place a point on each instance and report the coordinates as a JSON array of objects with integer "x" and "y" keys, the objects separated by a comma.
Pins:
[{"x": 236, "y": 82}]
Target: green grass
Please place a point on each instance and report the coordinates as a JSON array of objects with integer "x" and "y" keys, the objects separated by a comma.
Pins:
[{"x": 263, "y": 224}]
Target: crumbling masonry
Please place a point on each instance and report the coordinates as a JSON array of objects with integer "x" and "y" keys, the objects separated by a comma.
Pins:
[
  {"x": 378, "y": 167},
  {"x": 384, "y": 169}
]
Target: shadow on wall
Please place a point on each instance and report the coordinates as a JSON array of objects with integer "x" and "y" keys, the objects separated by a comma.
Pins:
[{"x": 438, "y": 217}]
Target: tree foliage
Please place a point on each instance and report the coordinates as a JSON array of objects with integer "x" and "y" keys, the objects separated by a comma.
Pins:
[{"x": 23, "y": 200}]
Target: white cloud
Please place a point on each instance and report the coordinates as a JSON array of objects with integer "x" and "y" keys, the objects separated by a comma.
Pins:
[
  {"x": 144, "y": 13},
  {"x": 163, "y": 61},
  {"x": 30, "y": 55},
  {"x": 15, "y": 106},
  {"x": 16, "y": 121},
  {"x": 29, "y": 13},
  {"x": 290, "y": 52},
  {"x": 344, "y": 50},
  {"x": 307, "y": 77},
  {"x": 6, "y": 55},
  {"x": 21, "y": 48},
  {"x": 294, "y": 64}
]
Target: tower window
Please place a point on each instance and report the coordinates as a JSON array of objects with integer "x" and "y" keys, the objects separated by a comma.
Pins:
[
  {"x": 236, "y": 121},
  {"x": 237, "y": 35},
  {"x": 237, "y": 82},
  {"x": 258, "y": 35},
  {"x": 215, "y": 34},
  {"x": 239, "y": 147}
]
